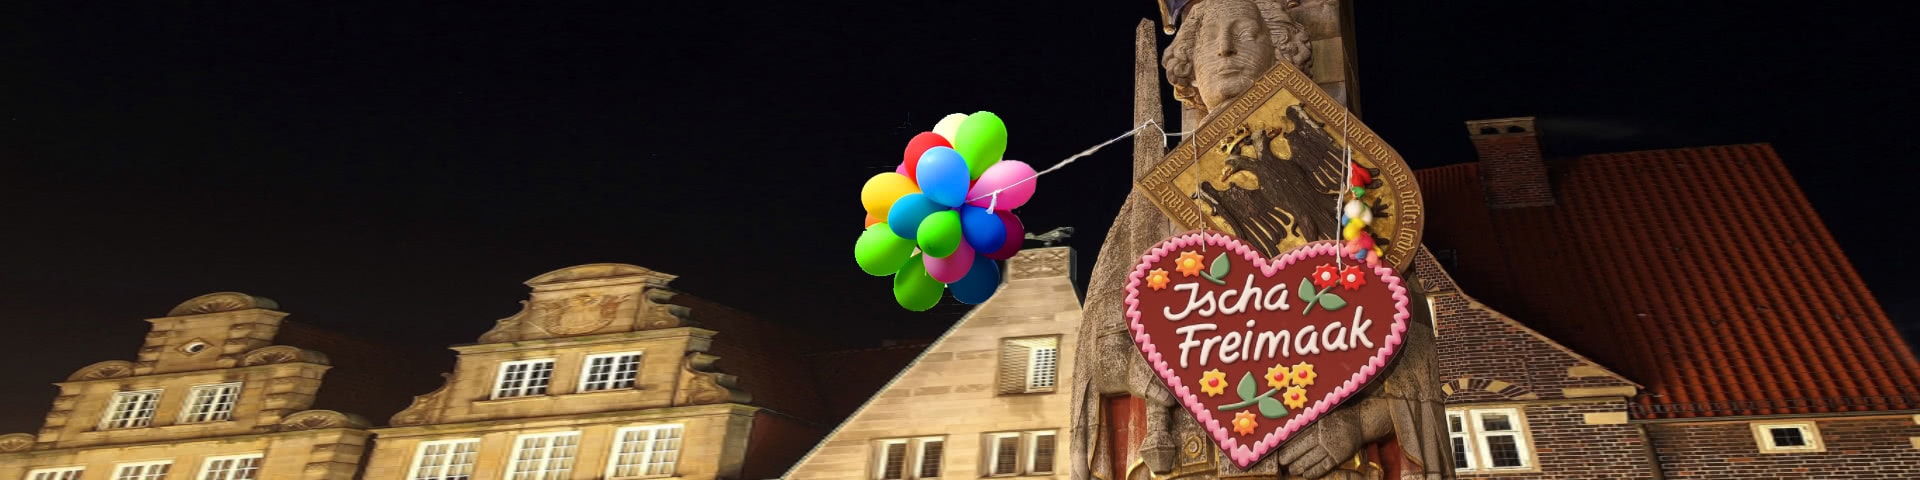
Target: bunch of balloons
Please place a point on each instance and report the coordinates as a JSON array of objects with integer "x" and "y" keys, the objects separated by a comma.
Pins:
[{"x": 941, "y": 219}]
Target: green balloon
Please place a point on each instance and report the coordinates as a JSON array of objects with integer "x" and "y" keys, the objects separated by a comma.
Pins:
[
  {"x": 879, "y": 252},
  {"x": 913, "y": 288},
  {"x": 939, "y": 234},
  {"x": 982, "y": 139}
]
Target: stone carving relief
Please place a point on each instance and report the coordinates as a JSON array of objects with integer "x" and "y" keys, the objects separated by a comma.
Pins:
[
  {"x": 221, "y": 302},
  {"x": 16, "y": 442},
  {"x": 1223, "y": 46},
  {"x": 103, "y": 370},
  {"x": 319, "y": 419},
  {"x": 422, "y": 409},
  {"x": 506, "y": 329},
  {"x": 282, "y": 354},
  {"x": 704, "y": 386},
  {"x": 577, "y": 314},
  {"x": 1052, "y": 262},
  {"x": 661, "y": 314}
]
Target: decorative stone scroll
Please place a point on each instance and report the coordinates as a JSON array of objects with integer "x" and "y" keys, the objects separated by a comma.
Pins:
[
  {"x": 103, "y": 370},
  {"x": 319, "y": 419}
]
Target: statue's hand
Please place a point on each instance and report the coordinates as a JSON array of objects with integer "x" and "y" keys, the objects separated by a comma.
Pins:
[{"x": 1323, "y": 445}]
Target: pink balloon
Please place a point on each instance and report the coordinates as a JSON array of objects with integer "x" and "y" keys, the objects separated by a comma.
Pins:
[
  {"x": 1008, "y": 175},
  {"x": 953, "y": 267},
  {"x": 1016, "y": 236},
  {"x": 902, "y": 169}
]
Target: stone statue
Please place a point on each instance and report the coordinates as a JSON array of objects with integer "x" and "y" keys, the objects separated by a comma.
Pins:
[{"x": 1223, "y": 46}]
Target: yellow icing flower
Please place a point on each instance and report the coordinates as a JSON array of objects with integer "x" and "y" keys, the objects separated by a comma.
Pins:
[
  {"x": 1243, "y": 423},
  {"x": 1303, "y": 375},
  {"x": 1278, "y": 376},
  {"x": 1213, "y": 382},
  {"x": 1188, "y": 264},
  {"x": 1157, "y": 279},
  {"x": 1295, "y": 397}
]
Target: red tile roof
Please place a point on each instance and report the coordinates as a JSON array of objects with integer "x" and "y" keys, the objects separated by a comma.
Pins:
[{"x": 1702, "y": 273}]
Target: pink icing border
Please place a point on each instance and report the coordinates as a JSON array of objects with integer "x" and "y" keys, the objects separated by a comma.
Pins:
[{"x": 1244, "y": 455}]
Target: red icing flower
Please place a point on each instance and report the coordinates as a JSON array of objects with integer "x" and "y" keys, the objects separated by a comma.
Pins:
[
  {"x": 1325, "y": 275},
  {"x": 1353, "y": 278}
]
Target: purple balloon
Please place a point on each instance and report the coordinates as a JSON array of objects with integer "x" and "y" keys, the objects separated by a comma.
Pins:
[
  {"x": 1016, "y": 235},
  {"x": 951, "y": 268}
]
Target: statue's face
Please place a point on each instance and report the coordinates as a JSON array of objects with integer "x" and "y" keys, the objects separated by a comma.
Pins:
[{"x": 1231, "y": 51}]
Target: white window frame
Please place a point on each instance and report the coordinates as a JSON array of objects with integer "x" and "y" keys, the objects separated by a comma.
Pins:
[
  {"x": 57, "y": 473},
  {"x": 447, "y": 465},
  {"x": 215, "y": 412},
  {"x": 1763, "y": 435},
  {"x": 1032, "y": 450},
  {"x": 1465, "y": 440},
  {"x": 207, "y": 472},
  {"x": 913, "y": 457},
  {"x": 647, "y": 456},
  {"x": 586, "y": 368},
  {"x": 146, "y": 470},
  {"x": 1052, "y": 368},
  {"x": 500, "y": 379},
  {"x": 993, "y": 453},
  {"x": 513, "y": 465},
  {"x": 107, "y": 421},
  {"x": 1480, "y": 452}
]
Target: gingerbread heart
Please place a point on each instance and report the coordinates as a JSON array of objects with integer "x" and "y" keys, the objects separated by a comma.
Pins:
[{"x": 1258, "y": 349}]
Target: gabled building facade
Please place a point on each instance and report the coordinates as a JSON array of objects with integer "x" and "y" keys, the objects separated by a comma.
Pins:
[
  {"x": 607, "y": 374},
  {"x": 988, "y": 399},
  {"x": 210, "y": 396}
]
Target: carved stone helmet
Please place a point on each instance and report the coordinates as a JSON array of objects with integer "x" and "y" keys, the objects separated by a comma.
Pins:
[{"x": 1222, "y": 46}]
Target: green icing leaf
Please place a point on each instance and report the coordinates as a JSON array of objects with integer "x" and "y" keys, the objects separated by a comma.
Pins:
[
  {"x": 1331, "y": 301},
  {"x": 1220, "y": 267},
  {"x": 1271, "y": 408},
  {"x": 1246, "y": 387},
  {"x": 1306, "y": 290}
]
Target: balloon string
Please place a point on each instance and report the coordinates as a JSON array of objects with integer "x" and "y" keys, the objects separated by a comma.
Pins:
[{"x": 995, "y": 194}]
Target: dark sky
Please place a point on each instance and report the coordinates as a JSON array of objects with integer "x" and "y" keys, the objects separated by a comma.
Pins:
[{"x": 396, "y": 171}]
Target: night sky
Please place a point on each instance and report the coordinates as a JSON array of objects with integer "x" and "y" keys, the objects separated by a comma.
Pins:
[{"x": 396, "y": 171}]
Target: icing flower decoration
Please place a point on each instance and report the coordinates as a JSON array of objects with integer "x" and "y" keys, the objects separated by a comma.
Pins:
[
  {"x": 1295, "y": 397},
  {"x": 1360, "y": 176},
  {"x": 1213, "y": 382},
  {"x": 1188, "y": 264},
  {"x": 1353, "y": 278},
  {"x": 1157, "y": 279},
  {"x": 1303, "y": 375},
  {"x": 1325, "y": 275},
  {"x": 1277, "y": 377},
  {"x": 1243, "y": 422}
]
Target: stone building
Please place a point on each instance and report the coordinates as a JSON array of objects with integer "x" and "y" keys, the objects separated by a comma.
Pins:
[
  {"x": 985, "y": 400},
  {"x": 607, "y": 373},
  {"x": 221, "y": 389},
  {"x": 1676, "y": 313}
]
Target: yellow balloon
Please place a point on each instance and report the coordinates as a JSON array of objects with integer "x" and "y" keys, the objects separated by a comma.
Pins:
[
  {"x": 882, "y": 190},
  {"x": 949, "y": 127}
]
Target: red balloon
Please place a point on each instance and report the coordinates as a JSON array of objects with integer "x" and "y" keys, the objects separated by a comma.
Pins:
[
  {"x": 1016, "y": 235},
  {"x": 919, "y": 145}
]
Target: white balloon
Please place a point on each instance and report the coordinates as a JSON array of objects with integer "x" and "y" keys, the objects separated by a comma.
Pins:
[{"x": 949, "y": 127}]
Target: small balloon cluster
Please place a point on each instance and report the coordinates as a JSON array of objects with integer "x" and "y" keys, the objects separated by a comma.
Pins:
[
  {"x": 941, "y": 219},
  {"x": 1355, "y": 216}
]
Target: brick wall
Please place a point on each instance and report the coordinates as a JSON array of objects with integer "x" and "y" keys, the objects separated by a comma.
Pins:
[
  {"x": 1566, "y": 446},
  {"x": 1514, "y": 173},
  {"x": 1485, "y": 356},
  {"x": 1855, "y": 449}
]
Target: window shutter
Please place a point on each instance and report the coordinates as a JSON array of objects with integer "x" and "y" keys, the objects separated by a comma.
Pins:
[{"x": 1013, "y": 366}]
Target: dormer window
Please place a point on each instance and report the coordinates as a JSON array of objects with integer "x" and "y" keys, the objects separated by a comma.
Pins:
[
  {"x": 130, "y": 410},
  {"x": 210, "y": 403},
  {"x": 523, "y": 378},
  {"x": 610, "y": 371}
]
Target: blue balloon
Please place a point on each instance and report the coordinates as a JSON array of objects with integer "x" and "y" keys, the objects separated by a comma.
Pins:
[
  {"x": 942, "y": 175},
  {"x": 907, "y": 212},
  {"x": 983, "y": 231},
  {"x": 981, "y": 281}
]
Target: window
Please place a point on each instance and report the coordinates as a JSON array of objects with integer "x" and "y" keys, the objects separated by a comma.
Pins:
[
  {"x": 210, "y": 403},
  {"x": 445, "y": 460},
  {"x": 130, "y": 410},
  {"x": 609, "y": 371},
  {"x": 523, "y": 378},
  {"x": 156, "y": 470},
  {"x": 1791, "y": 437},
  {"x": 1029, "y": 365},
  {"x": 1488, "y": 439},
  {"x": 233, "y": 467},
  {"x": 61, "y": 473},
  {"x": 909, "y": 458},
  {"x": 644, "y": 452},
  {"x": 1020, "y": 453},
  {"x": 546, "y": 456}
]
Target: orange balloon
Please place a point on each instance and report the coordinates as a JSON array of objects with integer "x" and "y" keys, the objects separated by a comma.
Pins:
[{"x": 871, "y": 221}]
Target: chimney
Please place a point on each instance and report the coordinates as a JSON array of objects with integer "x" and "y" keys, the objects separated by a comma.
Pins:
[{"x": 1510, "y": 165}]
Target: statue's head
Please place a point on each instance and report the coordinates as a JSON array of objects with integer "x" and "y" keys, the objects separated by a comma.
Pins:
[{"x": 1223, "y": 46}]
